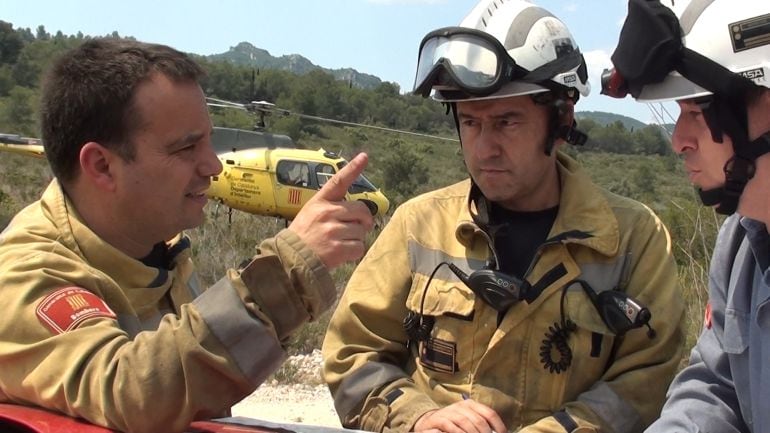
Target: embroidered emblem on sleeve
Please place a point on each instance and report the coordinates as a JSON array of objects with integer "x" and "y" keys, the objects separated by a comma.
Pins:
[
  {"x": 707, "y": 316},
  {"x": 66, "y": 308}
]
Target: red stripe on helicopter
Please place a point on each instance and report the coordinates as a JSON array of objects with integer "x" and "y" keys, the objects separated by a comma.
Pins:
[{"x": 294, "y": 196}]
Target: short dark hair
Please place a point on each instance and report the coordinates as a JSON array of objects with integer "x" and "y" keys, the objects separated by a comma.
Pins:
[{"x": 88, "y": 95}]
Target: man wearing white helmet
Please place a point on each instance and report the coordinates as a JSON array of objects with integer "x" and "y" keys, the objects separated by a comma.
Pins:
[
  {"x": 524, "y": 298},
  {"x": 713, "y": 58}
]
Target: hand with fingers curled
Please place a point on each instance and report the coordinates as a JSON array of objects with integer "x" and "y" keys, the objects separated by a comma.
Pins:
[
  {"x": 335, "y": 229},
  {"x": 465, "y": 416}
]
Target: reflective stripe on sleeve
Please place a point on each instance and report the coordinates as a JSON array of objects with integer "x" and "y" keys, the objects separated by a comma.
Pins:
[
  {"x": 355, "y": 388},
  {"x": 612, "y": 408},
  {"x": 424, "y": 260},
  {"x": 253, "y": 345}
]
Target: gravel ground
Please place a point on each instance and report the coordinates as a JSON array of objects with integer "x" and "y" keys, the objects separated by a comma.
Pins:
[{"x": 307, "y": 402}]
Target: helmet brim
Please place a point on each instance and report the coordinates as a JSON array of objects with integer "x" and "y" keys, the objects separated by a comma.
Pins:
[{"x": 673, "y": 88}]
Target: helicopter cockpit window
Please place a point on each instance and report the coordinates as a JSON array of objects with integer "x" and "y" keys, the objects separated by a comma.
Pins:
[
  {"x": 323, "y": 172},
  {"x": 361, "y": 184},
  {"x": 293, "y": 173}
]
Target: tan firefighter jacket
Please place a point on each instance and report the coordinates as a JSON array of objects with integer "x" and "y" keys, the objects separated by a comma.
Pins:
[
  {"x": 90, "y": 332},
  {"x": 382, "y": 382}
]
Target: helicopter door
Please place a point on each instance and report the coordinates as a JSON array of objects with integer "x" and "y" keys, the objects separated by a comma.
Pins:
[{"x": 293, "y": 187}]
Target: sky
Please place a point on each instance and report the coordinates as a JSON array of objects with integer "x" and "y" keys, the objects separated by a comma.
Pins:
[{"x": 378, "y": 37}]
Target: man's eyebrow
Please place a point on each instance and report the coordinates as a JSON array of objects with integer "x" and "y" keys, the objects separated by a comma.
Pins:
[
  {"x": 191, "y": 138},
  {"x": 504, "y": 115}
]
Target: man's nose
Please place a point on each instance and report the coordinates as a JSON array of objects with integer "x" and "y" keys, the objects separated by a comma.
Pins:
[
  {"x": 683, "y": 138},
  {"x": 487, "y": 144},
  {"x": 210, "y": 165}
]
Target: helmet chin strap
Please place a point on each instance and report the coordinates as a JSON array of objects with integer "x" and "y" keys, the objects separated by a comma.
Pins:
[
  {"x": 738, "y": 171},
  {"x": 727, "y": 114}
]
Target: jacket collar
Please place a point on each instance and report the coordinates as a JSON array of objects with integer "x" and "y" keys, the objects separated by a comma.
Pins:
[
  {"x": 77, "y": 236},
  {"x": 585, "y": 217}
]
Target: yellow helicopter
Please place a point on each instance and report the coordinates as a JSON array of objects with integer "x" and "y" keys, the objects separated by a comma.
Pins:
[
  {"x": 278, "y": 181},
  {"x": 27, "y": 146},
  {"x": 266, "y": 174}
]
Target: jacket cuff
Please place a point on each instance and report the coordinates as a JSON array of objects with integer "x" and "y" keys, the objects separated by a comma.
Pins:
[
  {"x": 288, "y": 282},
  {"x": 404, "y": 410},
  {"x": 560, "y": 422}
]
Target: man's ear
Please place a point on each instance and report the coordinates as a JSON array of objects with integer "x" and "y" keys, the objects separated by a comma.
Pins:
[{"x": 97, "y": 165}]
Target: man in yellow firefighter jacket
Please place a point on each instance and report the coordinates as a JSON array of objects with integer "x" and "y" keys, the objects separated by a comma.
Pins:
[
  {"x": 520, "y": 299},
  {"x": 103, "y": 317}
]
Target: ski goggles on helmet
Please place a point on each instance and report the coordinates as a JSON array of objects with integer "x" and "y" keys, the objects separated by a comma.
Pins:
[{"x": 465, "y": 59}]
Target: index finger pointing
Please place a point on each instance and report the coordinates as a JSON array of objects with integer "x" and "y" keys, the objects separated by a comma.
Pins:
[{"x": 336, "y": 188}]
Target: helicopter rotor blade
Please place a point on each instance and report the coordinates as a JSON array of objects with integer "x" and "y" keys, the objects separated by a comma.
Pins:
[
  {"x": 212, "y": 104},
  {"x": 268, "y": 107},
  {"x": 363, "y": 125},
  {"x": 215, "y": 102}
]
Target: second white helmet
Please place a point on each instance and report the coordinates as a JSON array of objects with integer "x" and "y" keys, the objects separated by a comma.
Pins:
[{"x": 733, "y": 33}]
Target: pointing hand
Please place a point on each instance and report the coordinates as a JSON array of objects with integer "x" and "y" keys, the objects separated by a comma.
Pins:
[{"x": 335, "y": 229}]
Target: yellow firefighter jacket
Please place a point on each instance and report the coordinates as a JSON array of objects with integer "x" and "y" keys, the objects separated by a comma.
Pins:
[
  {"x": 92, "y": 333},
  {"x": 381, "y": 382}
]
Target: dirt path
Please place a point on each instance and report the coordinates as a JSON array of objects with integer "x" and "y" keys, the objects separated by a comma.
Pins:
[
  {"x": 308, "y": 402},
  {"x": 290, "y": 403}
]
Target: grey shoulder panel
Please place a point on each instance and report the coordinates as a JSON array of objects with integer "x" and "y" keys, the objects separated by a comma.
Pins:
[{"x": 253, "y": 345}]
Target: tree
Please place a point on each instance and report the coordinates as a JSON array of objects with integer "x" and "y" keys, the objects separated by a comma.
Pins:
[
  {"x": 41, "y": 34},
  {"x": 649, "y": 140},
  {"x": 405, "y": 172},
  {"x": 388, "y": 89},
  {"x": 6, "y": 80},
  {"x": 10, "y": 44},
  {"x": 33, "y": 59},
  {"x": 19, "y": 113}
]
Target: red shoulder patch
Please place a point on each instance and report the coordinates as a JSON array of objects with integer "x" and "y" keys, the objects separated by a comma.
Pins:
[
  {"x": 707, "y": 316},
  {"x": 66, "y": 308}
]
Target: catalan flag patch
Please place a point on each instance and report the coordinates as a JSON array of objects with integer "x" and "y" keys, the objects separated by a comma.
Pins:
[
  {"x": 295, "y": 196},
  {"x": 66, "y": 308}
]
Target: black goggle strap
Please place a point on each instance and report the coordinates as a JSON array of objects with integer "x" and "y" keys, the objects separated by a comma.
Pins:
[
  {"x": 649, "y": 43},
  {"x": 544, "y": 74}
]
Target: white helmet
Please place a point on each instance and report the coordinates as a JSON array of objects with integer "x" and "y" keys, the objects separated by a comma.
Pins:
[
  {"x": 717, "y": 51},
  {"x": 733, "y": 33},
  {"x": 502, "y": 48}
]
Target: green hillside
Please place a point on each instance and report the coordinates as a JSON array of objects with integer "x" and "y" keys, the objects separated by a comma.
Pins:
[{"x": 604, "y": 119}]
